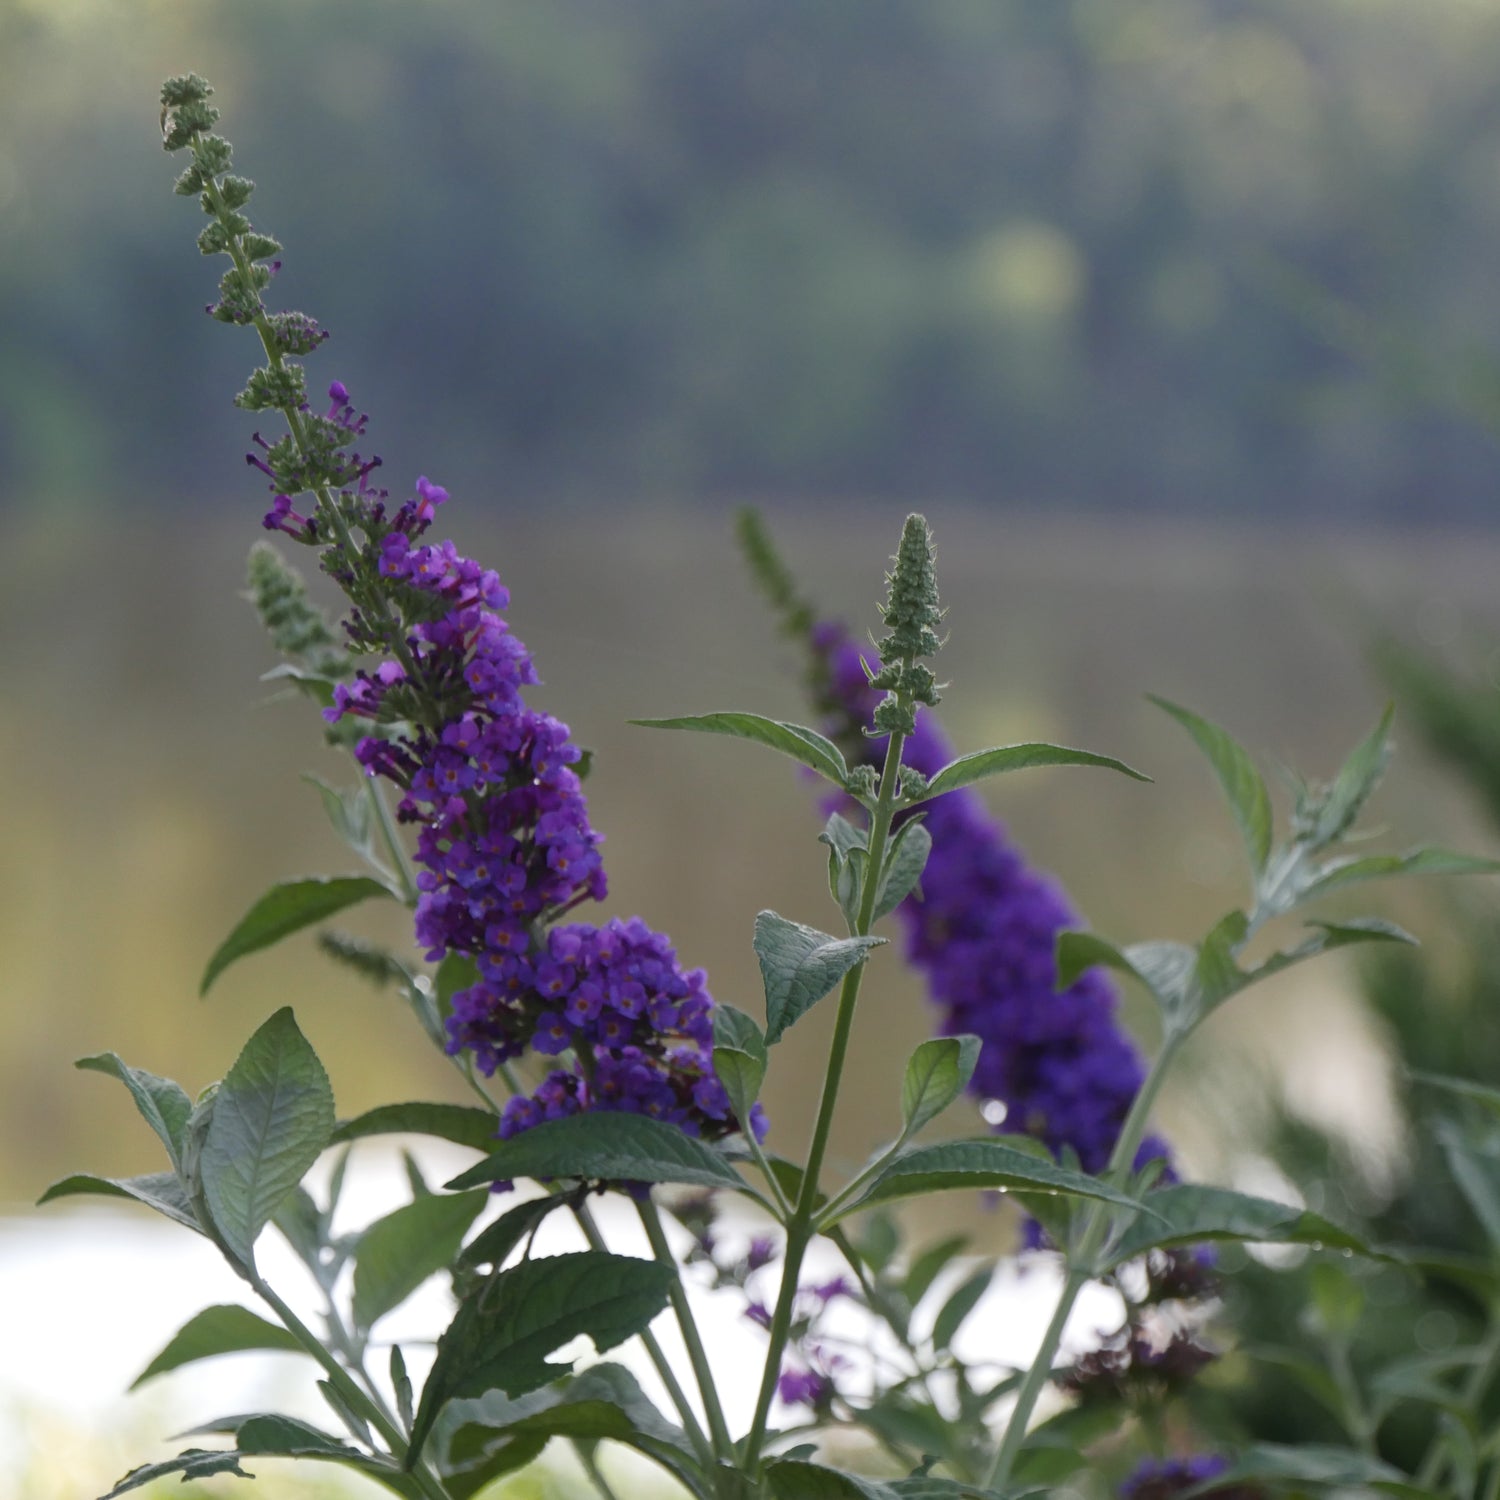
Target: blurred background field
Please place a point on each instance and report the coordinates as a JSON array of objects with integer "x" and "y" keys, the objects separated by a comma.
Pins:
[{"x": 1179, "y": 319}]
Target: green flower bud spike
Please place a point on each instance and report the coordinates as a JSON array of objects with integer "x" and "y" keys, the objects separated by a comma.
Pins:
[{"x": 911, "y": 614}]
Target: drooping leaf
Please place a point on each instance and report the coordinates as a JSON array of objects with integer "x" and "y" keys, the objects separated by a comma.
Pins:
[
  {"x": 979, "y": 764},
  {"x": 398, "y": 1253},
  {"x": 1242, "y": 782},
  {"x": 604, "y": 1147},
  {"x": 159, "y": 1190},
  {"x": 272, "y": 1435},
  {"x": 224, "y": 1329},
  {"x": 903, "y": 868},
  {"x": 191, "y": 1463},
  {"x": 936, "y": 1074},
  {"x": 1187, "y": 1214},
  {"x": 495, "y": 1241},
  {"x": 502, "y": 1333},
  {"x": 800, "y": 965},
  {"x": 988, "y": 1162},
  {"x": 163, "y": 1105},
  {"x": 272, "y": 1117},
  {"x": 802, "y": 744},
  {"x": 460, "y": 1123},
  {"x": 288, "y": 908},
  {"x": 350, "y": 813}
]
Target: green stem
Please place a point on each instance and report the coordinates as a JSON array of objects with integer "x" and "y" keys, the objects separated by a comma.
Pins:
[
  {"x": 1095, "y": 1226},
  {"x": 1357, "y": 1416},
  {"x": 349, "y": 1389},
  {"x": 1435, "y": 1461},
  {"x": 697, "y": 1354},
  {"x": 800, "y": 1230}
]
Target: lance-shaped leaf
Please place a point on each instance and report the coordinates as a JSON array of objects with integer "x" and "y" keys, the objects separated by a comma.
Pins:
[
  {"x": 272, "y": 1116},
  {"x": 398, "y": 1253},
  {"x": 800, "y": 965},
  {"x": 603, "y": 1403},
  {"x": 964, "y": 1299},
  {"x": 1187, "y": 1215},
  {"x": 502, "y": 1334},
  {"x": 1461, "y": 1088},
  {"x": 1242, "y": 782},
  {"x": 191, "y": 1463},
  {"x": 979, "y": 764},
  {"x": 1470, "y": 1151},
  {"x": 1351, "y": 788},
  {"x": 988, "y": 1162},
  {"x": 159, "y": 1190},
  {"x": 739, "y": 1058},
  {"x": 286, "y": 909},
  {"x": 163, "y": 1105},
  {"x": 1337, "y": 874},
  {"x": 903, "y": 869},
  {"x": 225, "y": 1329},
  {"x": 936, "y": 1074},
  {"x": 1312, "y": 1466},
  {"x": 460, "y": 1123},
  {"x": 604, "y": 1148},
  {"x": 802, "y": 744}
]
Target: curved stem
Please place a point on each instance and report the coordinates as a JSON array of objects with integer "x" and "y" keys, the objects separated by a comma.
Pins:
[{"x": 697, "y": 1354}]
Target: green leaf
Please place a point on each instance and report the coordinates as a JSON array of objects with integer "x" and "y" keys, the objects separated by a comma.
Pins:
[
  {"x": 225, "y": 1329},
  {"x": 1315, "y": 1465},
  {"x": 1187, "y": 1215},
  {"x": 794, "y": 1479},
  {"x": 926, "y": 1268},
  {"x": 271, "y": 1435},
  {"x": 930, "y": 1487},
  {"x": 605, "y": 1147},
  {"x": 802, "y": 744},
  {"x": 958, "y": 1307},
  {"x": 495, "y": 1241},
  {"x": 979, "y": 764},
  {"x": 164, "y": 1105},
  {"x": 272, "y": 1117},
  {"x": 987, "y": 1162},
  {"x": 1351, "y": 788},
  {"x": 459, "y": 1123},
  {"x": 1237, "y": 773},
  {"x": 502, "y": 1334},
  {"x": 1306, "y": 1371},
  {"x": 398, "y": 1253},
  {"x": 905, "y": 862},
  {"x": 286, "y": 909},
  {"x": 159, "y": 1190},
  {"x": 349, "y": 811},
  {"x": 191, "y": 1463},
  {"x": 936, "y": 1074},
  {"x": 733, "y": 1028},
  {"x": 1471, "y": 1156},
  {"x": 742, "y": 1075},
  {"x": 604, "y": 1403},
  {"x": 843, "y": 837},
  {"x": 1462, "y": 1088},
  {"x": 800, "y": 965},
  {"x": 1337, "y": 874}
]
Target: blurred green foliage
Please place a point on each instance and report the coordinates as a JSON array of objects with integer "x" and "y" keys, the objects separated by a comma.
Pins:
[{"x": 1038, "y": 250}]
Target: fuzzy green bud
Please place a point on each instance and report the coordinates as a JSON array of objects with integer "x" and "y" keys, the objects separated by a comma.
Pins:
[
  {"x": 283, "y": 389},
  {"x": 911, "y": 611},
  {"x": 296, "y": 626}
]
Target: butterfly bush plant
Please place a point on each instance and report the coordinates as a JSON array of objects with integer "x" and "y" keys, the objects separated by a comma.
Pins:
[{"x": 601, "y": 1066}]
